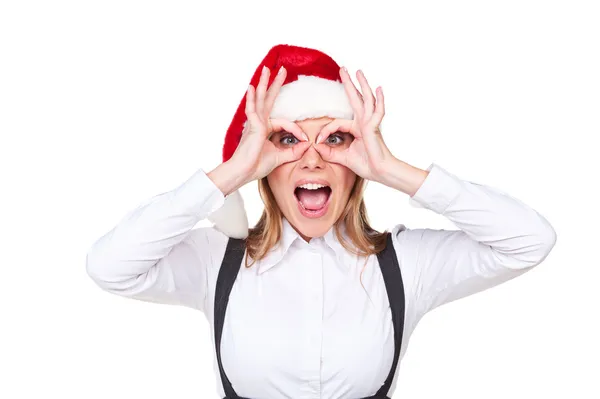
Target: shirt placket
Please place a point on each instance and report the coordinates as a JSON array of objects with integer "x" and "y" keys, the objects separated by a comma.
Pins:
[{"x": 314, "y": 320}]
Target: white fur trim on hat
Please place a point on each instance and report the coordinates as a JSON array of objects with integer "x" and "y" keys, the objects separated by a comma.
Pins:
[
  {"x": 231, "y": 218},
  {"x": 312, "y": 97}
]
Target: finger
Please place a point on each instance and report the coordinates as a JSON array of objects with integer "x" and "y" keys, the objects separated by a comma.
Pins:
[
  {"x": 356, "y": 101},
  {"x": 379, "y": 108},
  {"x": 274, "y": 90},
  {"x": 278, "y": 125},
  {"x": 292, "y": 154},
  {"x": 330, "y": 154},
  {"x": 250, "y": 107},
  {"x": 261, "y": 90},
  {"x": 369, "y": 100},
  {"x": 337, "y": 125}
]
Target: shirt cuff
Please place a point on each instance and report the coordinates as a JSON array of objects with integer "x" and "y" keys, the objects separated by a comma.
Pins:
[
  {"x": 198, "y": 195},
  {"x": 439, "y": 189}
]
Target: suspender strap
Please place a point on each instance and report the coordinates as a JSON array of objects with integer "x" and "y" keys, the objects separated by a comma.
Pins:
[
  {"x": 390, "y": 269},
  {"x": 230, "y": 267}
]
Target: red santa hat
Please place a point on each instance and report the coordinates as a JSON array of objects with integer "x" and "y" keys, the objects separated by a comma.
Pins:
[{"x": 312, "y": 89}]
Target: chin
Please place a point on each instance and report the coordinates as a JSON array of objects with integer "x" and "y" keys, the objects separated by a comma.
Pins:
[{"x": 312, "y": 228}]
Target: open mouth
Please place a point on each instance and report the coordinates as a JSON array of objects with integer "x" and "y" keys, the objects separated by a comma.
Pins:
[{"x": 313, "y": 198}]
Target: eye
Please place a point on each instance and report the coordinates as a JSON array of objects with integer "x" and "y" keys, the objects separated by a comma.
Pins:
[
  {"x": 288, "y": 139},
  {"x": 335, "y": 139}
]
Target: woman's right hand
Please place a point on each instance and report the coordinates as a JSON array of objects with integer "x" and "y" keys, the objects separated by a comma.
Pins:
[{"x": 256, "y": 156}]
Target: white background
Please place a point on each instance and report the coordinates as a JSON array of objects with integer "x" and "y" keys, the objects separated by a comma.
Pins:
[{"x": 105, "y": 104}]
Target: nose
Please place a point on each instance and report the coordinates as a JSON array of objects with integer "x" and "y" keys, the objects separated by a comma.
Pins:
[{"x": 311, "y": 160}]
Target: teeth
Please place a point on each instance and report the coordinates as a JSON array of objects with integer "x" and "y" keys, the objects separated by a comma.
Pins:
[{"x": 312, "y": 186}]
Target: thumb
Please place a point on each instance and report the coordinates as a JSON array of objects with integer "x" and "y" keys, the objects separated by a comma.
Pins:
[
  {"x": 330, "y": 155},
  {"x": 294, "y": 153}
]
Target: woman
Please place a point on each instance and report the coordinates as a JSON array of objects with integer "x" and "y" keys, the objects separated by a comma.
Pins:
[{"x": 312, "y": 302}]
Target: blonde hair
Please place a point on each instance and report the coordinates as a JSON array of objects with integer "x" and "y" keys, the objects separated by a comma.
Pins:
[{"x": 268, "y": 230}]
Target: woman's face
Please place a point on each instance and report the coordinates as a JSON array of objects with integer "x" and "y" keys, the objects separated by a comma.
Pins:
[{"x": 310, "y": 192}]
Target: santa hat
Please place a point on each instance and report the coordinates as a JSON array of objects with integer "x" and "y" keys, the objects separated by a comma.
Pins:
[{"x": 312, "y": 89}]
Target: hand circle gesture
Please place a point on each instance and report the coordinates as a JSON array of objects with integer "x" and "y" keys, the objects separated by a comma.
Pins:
[
  {"x": 256, "y": 156},
  {"x": 367, "y": 155}
]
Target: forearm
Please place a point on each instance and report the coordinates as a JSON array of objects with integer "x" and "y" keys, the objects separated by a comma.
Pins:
[
  {"x": 228, "y": 177},
  {"x": 518, "y": 234},
  {"x": 402, "y": 176},
  {"x": 149, "y": 233}
]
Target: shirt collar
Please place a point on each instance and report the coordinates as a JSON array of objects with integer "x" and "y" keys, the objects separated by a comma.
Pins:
[{"x": 289, "y": 235}]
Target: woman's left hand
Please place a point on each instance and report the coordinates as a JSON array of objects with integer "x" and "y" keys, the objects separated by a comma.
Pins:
[{"x": 367, "y": 155}]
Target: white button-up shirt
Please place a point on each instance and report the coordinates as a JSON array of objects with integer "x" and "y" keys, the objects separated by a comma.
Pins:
[{"x": 312, "y": 320}]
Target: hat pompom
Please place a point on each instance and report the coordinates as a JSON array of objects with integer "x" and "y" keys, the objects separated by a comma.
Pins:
[{"x": 231, "y": 218}]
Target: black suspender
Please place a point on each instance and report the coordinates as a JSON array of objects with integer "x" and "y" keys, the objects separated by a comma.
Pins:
[
  {"x": 230, "y": 267},
  {"x": 388, "y": 263}
]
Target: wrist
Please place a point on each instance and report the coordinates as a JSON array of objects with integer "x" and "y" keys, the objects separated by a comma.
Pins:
[
  {"x": 228, "y": 177},
  {"x": 403, "y": 176}
]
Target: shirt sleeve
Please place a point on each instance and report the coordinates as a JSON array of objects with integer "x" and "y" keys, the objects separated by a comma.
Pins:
[
  {"x": 153, "y": 254},
  {"x": 499, "y": 238}
]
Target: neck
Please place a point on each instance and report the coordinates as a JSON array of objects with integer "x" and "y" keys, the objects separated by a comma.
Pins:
[{"x": 304, "y": 237}]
